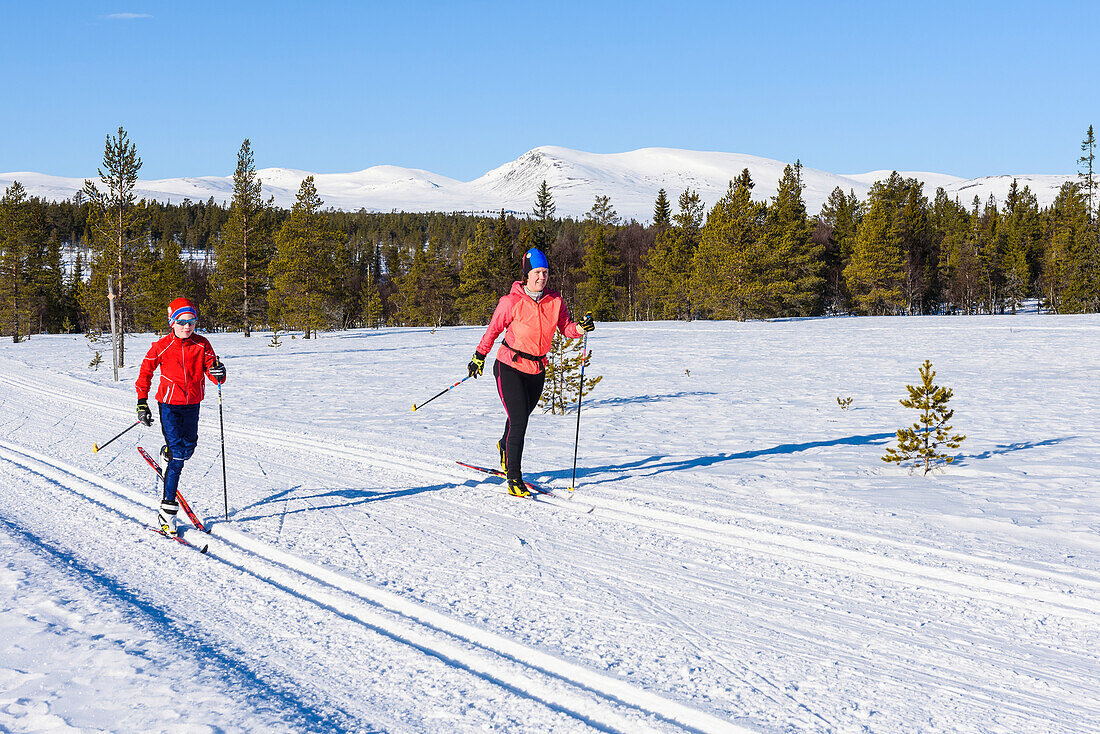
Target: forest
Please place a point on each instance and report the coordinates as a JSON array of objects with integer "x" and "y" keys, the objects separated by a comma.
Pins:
[{"x": 251, "y": 265}]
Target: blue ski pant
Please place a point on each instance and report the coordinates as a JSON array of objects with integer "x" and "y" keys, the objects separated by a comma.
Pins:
[{"x": 180, "y": 426}]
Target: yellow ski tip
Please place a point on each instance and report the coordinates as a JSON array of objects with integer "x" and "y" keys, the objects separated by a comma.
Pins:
[
  {"x": 95, "y": 448},
  {"x": 414, "y": 408}
]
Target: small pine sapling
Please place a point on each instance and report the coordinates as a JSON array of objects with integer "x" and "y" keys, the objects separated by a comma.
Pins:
[
  {"x": 275, "y": 341},
  {"x": 844, "y": 403},
  {"x": 922, "y": 442},
  {"x": 563, "y": 372},
  {"x": 96, "y": 361}
]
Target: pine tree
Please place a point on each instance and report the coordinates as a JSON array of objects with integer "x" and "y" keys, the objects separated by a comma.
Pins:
[
  {"x": 302, "y": 270},
  {"x": 792, "y": 282},
  {"x": 370, "y": 301},
  {"x": 117, "y": 225},
  {"x": 243, "y": 250},
  {"x": 563, "y": 370},
  {"x": 726, "y": 269},
  {"x": 922, "y": 442},
  {"x": 603, "y": 213},
  {"x": 17, "y": 236},
  {"x": 476, "y": 297},
  {"x": 666, "y": 277}
]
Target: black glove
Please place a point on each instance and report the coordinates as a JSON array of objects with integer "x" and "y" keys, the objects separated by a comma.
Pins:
[
  {"x": 143, "y": 413},
  {"x": 217, "y": 371},
  {"x": 587, "y": 324},
  {"x": 477, "y": 365}
]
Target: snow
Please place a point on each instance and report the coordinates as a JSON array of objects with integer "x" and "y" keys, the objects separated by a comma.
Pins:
[
  {"x": 575, "y": 178},
  {"x": 751, "y": 564}
]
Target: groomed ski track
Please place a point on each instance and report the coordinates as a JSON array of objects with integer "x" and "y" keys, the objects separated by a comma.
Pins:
[{"x": 819, "y": 593}]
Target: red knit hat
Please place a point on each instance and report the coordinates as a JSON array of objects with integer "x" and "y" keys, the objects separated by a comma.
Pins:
[{"x": 179, "y": 307}]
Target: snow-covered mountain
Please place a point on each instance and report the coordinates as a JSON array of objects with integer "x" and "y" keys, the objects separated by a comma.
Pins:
[{"x": 575, "y": 177}]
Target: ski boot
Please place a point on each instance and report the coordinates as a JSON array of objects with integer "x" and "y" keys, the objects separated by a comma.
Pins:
[
  {"x": 166, "y": 517},
  {"x": 503, "y": 457},
  {"x": 518, "y": 488},
  {"x": 165, "y": 453}
]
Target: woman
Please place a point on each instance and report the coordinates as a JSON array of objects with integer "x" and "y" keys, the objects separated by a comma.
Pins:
[{"x": 531, "y": 314}]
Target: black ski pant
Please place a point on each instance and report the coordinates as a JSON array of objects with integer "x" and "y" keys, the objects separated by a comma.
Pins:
[{"x": 520, "y": 394}]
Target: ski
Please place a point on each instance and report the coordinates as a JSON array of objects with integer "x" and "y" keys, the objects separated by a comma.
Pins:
[
  {"x": 182, "y": 541},
  {"x": 179, "y": 497},
  {"x": 538, "y": 494}
]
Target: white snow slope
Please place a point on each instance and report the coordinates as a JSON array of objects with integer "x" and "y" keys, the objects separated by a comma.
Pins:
[
  {"x": 750, "y": 565},
  {"x": 575, "y": 178}
]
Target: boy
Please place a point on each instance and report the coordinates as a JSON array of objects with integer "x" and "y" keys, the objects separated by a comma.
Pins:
[{"x": 183, "y": 357}]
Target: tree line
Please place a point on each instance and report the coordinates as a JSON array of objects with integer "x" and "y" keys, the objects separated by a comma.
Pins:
[{"x": 253, "y": 265}]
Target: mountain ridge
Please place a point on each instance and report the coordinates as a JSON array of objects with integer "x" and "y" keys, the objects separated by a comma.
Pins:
[{"x": 631, "y": 179}]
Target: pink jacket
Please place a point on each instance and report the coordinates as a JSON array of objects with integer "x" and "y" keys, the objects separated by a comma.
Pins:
[{"x": 531, "y": 326}]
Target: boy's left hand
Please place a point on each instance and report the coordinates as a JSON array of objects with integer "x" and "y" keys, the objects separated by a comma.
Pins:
[{"x": 217, "y": 371}]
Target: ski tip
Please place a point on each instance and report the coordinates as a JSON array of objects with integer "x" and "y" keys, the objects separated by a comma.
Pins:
[
  {"x": 95, "y": 448},
  {"x": 414, "y": 408}
]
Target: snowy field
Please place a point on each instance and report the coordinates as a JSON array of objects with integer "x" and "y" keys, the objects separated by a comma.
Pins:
[{"x": 751, "y": 564}]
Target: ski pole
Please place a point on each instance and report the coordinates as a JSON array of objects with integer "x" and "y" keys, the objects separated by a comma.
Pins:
[
  {"x": 221, "y": 422},
  {"x": 96, "y": 447},
  {"x": 433, "y": 397},
  {"x": 580, "y": 393}
]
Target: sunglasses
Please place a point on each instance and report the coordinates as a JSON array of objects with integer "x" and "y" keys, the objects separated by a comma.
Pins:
[{"x": 187, "y": 322}]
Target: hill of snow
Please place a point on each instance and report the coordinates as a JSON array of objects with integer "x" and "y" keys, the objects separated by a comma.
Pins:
[{"x": 631, "y": 179}]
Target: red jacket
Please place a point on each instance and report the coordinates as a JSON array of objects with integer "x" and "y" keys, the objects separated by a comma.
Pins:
[
  {"x": 531, "y": 325},
  {"x": 182, "y": 362}
]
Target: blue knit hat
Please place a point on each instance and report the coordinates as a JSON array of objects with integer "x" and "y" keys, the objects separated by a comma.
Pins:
[{"x": 534, "y": 258}]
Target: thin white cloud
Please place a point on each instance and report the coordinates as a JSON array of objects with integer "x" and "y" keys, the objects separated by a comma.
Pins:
[{"x": 127, "y": 16}]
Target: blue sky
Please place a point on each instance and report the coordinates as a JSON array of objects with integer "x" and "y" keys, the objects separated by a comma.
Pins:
[{"x": 459, "y": 88}]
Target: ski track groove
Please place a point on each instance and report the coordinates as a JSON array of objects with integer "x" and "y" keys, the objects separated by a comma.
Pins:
[
  {"x": 940, "y": 579},
  {"x": 789, "y": 546},
  {"x": 589, "y": 696}
]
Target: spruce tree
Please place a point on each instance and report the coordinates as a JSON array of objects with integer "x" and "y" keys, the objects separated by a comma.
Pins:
[
  {"x": 476, "y": 297},
  {"x": 1085, "y": 174},
  {"x": 1071, "y": 272},
  {"x": 792, "y": 282},
  {"x": 922, "y": 442},
  {"x": 840, "y": 215},
  {"x": 502, "y": 260},
  {"x": 302, "y": 270},
  {"x": 662, "y": 212},
  {"x": 1022, "y": 229},
  {"x": 243, "y": 250},
  {"x": 544, "y": 214},
  {"x": 597, "y": 293},
  {"x": 875, "y": 274},
  {"x": 117, "y": 225}
]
